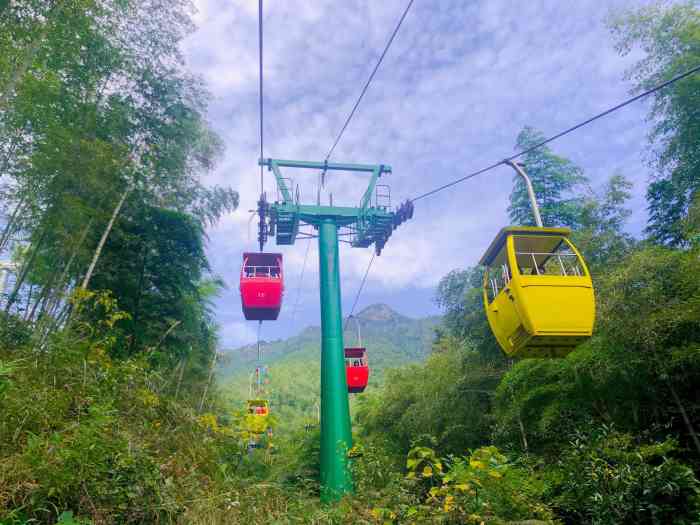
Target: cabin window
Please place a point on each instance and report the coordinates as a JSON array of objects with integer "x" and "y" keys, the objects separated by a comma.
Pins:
[
  {"x": 499, "y": 275},
  {"x": 548, "y": 255},
  {"x": 355, "y": 362},
  {"x": 262, "y": 271}
]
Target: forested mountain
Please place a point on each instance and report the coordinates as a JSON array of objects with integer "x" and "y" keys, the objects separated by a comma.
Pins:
[{"x": 391, "y": 339}]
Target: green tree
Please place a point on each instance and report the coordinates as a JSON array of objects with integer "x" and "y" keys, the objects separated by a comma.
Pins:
[
  {"x": 637, "y": 372},
  {"x": 153, "y": 263},
  {"x": 669, "y": 35},
  {"x": 444, "y": 403},
  {"x": 460, "y": 295},
  {"x": 76, "y": 147},
  {"x": 555, "y": 181},
  {"x": 601, "y": 237},
  {"x": 692, "y": 223}
]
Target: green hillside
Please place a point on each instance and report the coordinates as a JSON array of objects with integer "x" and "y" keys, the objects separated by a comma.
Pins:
[{"x": 391, "y": 338}]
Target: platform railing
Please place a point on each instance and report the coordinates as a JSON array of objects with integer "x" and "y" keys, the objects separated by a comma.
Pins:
[
  {"x": 261, "y": 271},
  {"x": 500, "y": 279},
  {"x": 571, "y": 259},
  {"x": 382, "y": 196}
]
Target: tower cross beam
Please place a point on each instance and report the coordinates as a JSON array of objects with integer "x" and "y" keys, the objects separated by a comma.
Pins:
[{"x": 275, "y": 164}]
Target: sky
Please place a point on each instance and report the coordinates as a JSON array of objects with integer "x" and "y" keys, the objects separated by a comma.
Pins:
[{"x": 459, "y": 82}]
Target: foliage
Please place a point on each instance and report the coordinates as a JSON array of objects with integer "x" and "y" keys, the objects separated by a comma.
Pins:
[
  {"x": 100, "y": 437},
  {"x": 605, "y": 477},
  {"x": 155, "y": 263},
  {"x": 460, "y": 295},
  {"x": 601, "y": 237},
  {"x": 97, "y": 106},
  {"x": 554, "y": 179},
  {"x": 669, "y": 35},
  {"x": 13, "y": 332},
  {"x": 67, "y": 518},
  {"x": 300, "y": 466},
  {"x": 427, "y": 404},
  {"x": 484, "y": 486}
]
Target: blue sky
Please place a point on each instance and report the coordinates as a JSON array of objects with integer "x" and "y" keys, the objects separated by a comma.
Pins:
[{"x": 459, "y": 83}]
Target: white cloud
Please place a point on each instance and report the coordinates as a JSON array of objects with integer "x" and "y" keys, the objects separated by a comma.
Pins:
[{"x": 456, "y": 87}]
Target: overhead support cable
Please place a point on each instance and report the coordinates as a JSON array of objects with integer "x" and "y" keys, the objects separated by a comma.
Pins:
[
  {"x": 369, "y": 80},
  {"x": 559, "y": 135},
  {"x": 260, "y": 61},
  {"x": 301, "y": 281},
  {"x": 322, "y": 175},
  {"x": 359, "y": 291}
]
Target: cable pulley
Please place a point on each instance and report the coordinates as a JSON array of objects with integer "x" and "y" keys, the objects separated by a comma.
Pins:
[
  {"x": 263, "y": 212},
  {"x": 403, "y": 213}
]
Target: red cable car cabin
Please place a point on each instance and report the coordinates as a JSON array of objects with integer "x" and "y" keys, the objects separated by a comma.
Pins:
[
  {"x": 356, "y": 369},
  {"x": 262, "y": 286}
]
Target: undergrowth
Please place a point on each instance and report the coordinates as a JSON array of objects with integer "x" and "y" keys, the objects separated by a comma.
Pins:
[{"x": 89, "y": 439}]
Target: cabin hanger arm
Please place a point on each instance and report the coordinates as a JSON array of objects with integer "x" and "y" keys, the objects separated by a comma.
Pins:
[{"x": 530, "y": 191}]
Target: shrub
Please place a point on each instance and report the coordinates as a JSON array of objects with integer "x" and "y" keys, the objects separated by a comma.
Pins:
[
  {"x": 85, "y": 436},
  {"x": 605, "y": 477}
]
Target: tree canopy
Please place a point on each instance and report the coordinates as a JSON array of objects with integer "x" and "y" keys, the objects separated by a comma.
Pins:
[{"x": 670, "y": 38}]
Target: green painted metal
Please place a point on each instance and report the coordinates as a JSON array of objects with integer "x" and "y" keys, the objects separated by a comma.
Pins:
[
  {"x": 368, "y": 225},
  {"x": 312, "y": 214},
  {"x": 367, "y": 197},
  {"x": 338, "y": 166},
  {"x": 281, "y": 182},
  {"x": 336, "y": 435},
  {"x": 375, "y": 169}
]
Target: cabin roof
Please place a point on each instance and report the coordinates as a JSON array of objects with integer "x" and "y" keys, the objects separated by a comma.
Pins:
[
  {"x": 261, "y": 254},
  {"x": 533, "y": 231},
  {"x": 262, "y": 258},
  {"x": 355, "y": 352}
]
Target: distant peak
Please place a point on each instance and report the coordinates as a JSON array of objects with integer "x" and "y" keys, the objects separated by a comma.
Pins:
[{"x": 378, "y": 312}]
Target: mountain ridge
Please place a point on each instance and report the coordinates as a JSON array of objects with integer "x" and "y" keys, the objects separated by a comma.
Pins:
[
  {"x": 375, "y": 321},
  {"x": 391, "y": 338}
]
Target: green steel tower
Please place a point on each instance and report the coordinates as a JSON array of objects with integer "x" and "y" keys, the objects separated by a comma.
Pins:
[{"x": 372, "y": 222}]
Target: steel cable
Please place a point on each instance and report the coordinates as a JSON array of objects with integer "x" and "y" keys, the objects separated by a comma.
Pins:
[{"x": 561, "y": 134}]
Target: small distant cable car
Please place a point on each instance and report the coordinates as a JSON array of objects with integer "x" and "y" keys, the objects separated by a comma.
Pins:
[
  {"x": 262, "y": 286},
  {"x": 256, "y": 417},
  {"x": 258, "y": 407},
  {"x": 356, "y": 369},
  {"x": 538, "y": 293}
]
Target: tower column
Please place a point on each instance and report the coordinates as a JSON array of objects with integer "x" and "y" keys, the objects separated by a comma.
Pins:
[{"x": 336, "y": 434}]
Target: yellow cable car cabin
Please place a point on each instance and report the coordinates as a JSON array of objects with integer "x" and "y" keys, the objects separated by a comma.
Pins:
[
  {"x": 538, "y": 293},
  {"x": 256, "y": 415}
]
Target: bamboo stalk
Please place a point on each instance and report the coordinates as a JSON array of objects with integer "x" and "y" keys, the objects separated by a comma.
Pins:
[
  {"x": 206, "y": 386},
  {"x": 684, "y": 415},
  {"x": 10, "y": 226},
  {"x": 53, "y": 298},
  {"x": 103, "y": 240},
  {"x": 25, "y": 271}
]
